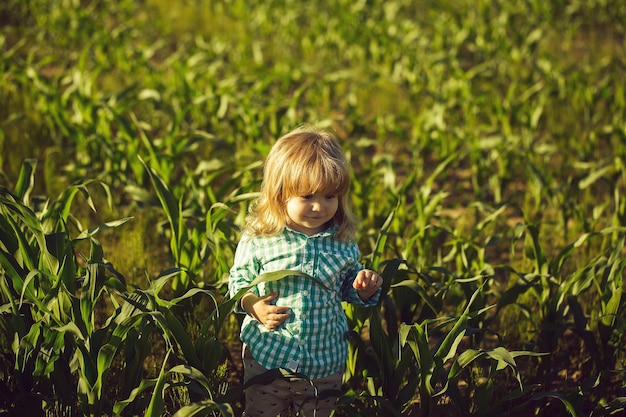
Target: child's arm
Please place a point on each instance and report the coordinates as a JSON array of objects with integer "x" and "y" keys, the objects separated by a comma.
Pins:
[
  {"x": 366, "y": 283},
  {"x": 262, "y": 309}
]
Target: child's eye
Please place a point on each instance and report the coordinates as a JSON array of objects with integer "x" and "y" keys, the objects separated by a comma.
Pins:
[
  {"x": 307, "y": 197},
  {"x": 331, "y": 196}
]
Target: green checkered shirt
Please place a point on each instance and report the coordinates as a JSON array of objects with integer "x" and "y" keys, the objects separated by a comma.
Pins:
[{"x": 315, "y": 334}]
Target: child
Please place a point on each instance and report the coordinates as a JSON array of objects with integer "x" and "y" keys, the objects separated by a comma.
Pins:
[{"x": 301, "y": 221}]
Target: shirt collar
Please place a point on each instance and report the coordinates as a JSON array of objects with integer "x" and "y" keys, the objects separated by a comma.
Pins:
[{"x": 330, "y": 231}]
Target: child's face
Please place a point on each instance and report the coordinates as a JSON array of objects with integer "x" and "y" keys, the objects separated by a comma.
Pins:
[{"x": 310, "y": 214}]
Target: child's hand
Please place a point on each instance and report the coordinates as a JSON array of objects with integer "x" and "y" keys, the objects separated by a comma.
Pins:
[
  {"x": 262, "y": 309},
  {"x": 366, "y": 283}
]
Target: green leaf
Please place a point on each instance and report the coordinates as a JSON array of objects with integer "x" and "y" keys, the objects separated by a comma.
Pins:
[
  {"x": 106, "y": 226},
  {"x": 144, "y": 385},
  {"x": 278, "y": 275},
  {"x": 26, "y": 180},
  {"x": 417, "y": 289},
  {"x": 416, "y": 338},
  {"x": 203, "y": 408},
  {"x": 595, "y": 176},
  {"x": 381, "y": 240},
  {"x": 610, "y": 409},
  {"x": 157, "y": 401},
  {"x": 71, "y": 328},
  {"x": 383, "y": 348},
  {"x": 31, "y": 256},
  {"x": 171, "y": 208},
  {"x": 561, "y": 397}
]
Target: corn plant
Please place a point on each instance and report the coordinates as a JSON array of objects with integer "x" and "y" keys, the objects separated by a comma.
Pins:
[
  {"x": 560, "y": 296},
  {"x": 552, "y": 293},
  {"x": 195, "y": 241},
  {"x": 60, "y": 326},
  {"x": 600, "y": 333},
  {"x": 435, "y": 379},
  {"x": 191, "y": 361},
  {"x": 422, "y": 234},
  {"x": 384, "y": 379},
  {"x": 49, "y": 302},
  {"x": 193, "y": 357}
]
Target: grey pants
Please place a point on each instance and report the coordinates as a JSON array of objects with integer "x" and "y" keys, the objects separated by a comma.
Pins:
[{"x": 283, "y": 398}]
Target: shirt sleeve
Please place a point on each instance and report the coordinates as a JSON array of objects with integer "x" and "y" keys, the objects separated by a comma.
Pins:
[
  {"x": 244, "y": 271},
  {"x": 349, "y": 293}
]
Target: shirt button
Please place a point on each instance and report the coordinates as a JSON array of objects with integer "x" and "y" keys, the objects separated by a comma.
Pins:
[
  {"x": 305, "y": 293},
  {"x": 302, "y": 342},
  {"x": 303, "y": 317}
]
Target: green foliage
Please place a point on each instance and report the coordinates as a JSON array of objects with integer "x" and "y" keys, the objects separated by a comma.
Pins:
[
  {"x": 488, "y": 145},
  {"x": 51, "y": 301}
]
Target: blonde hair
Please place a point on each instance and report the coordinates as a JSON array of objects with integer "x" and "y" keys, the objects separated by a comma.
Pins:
[{"x": 302, "y": 162}]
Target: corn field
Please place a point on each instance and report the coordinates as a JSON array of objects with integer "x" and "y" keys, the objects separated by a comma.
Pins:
[{"x": 488, "y": 147}]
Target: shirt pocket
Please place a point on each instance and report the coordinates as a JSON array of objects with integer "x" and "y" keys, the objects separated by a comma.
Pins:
[{"x": 334, "y": 268}]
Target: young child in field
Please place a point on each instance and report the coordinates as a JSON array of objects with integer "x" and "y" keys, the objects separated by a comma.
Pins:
[{"x": 302, "y": 222}]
